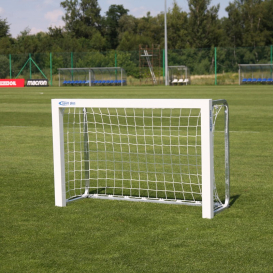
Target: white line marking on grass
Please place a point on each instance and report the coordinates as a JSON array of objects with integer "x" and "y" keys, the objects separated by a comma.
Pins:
[
  {"x": 13, "y": 126},
  {"x": 241, "y": 132},
  {"x": 245, "y": 132}
]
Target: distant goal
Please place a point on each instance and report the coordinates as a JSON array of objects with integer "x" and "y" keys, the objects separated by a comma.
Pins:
[{"x": 144, "y": 150}]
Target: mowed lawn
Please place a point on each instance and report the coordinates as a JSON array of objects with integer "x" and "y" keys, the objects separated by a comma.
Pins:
[{"x": 118, "y": 236}]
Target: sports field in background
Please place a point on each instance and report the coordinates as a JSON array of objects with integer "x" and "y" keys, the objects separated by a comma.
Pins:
[{"x": 118, "y": 236}]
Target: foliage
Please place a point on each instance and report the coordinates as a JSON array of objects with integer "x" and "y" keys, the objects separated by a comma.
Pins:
[
  {"x": 248, "y": 23},
  {"x": 109, "y": 59},
  {"x": 113, "y": 16},
  {"x": 4, "y": 67},
  {"x": 203, "y": 23},
  {"x": 244, "y": 36},
  {"x": 82, "y": 19},
  {"x": 4, "y": 28}
]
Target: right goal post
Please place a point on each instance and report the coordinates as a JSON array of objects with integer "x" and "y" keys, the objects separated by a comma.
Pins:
[{"x": 144, "y": 150}]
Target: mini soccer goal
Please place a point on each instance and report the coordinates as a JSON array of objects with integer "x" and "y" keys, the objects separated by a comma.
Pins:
[
  {"x": 255, "y": 73},
  {"x": 179, "y": 75},
  {"x": 93, "y": 76},
  {"x": 144, "y": 150}
]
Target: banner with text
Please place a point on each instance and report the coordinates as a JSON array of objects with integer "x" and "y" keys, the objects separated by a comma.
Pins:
[
  {"x": 12, "y": 83},
  {"x": 36, "y": 82}
]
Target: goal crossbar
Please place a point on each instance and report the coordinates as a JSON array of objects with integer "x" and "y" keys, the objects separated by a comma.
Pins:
[{"x": 145, "y": 150}]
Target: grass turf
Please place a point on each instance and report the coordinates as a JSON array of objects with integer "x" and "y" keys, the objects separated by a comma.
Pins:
[{"x": 118, "y": 236}]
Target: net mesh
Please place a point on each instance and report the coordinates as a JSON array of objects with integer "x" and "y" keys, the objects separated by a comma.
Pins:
[{"x": 134, "y": 153}]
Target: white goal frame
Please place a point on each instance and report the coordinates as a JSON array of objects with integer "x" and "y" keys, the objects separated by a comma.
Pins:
[{"x": 207, "y": 157}]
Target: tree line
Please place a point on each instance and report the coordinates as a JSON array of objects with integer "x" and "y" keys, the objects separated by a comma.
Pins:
[{"x": 248, "y": 24}]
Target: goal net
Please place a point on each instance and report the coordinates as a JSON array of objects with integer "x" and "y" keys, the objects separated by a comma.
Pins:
[{"x": 148, "y": 150}]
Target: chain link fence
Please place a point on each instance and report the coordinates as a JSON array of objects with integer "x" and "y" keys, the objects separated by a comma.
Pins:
[{"x": 207, "y": 66}]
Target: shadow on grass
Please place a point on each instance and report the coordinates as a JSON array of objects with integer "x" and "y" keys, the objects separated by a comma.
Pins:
[
  {"x": 233, "y": 199},
  {"x": 98, "y": 191}
]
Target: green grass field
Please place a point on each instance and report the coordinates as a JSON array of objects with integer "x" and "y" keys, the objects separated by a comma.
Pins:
[{"x": 117, "y": 236}]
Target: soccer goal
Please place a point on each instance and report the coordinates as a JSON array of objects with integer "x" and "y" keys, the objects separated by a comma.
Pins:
[{"x": 145, "y": 150}]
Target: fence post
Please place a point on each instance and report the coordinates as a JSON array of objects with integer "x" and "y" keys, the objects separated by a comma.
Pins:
[
  {"x": 50, "y": 57},
  {"x": 163, "y": 65},
  {"x": 10, "y": 76},
  {"x": 116, "y": 62},
  {"x": 72, "y": 66},
  {"x": 30, "y": 65},
  {"x": 215, "y": 60},
  {"x": 271, "y": 52}
]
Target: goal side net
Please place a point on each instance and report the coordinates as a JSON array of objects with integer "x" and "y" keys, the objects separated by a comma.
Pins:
[{"x": 145, "y": 150}]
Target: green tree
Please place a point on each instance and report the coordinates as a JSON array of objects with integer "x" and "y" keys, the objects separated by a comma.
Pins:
[
  {"x": 252, "y": 14},
  {"x": 98, "y": 42},
  {"x": 204, "y": 24},
  {"x": 151, "y": 27},
  {"x": 233, "y": 25},
  {"x": 177, "y": 27},
  {"x": 26, "y": 43},
  {"x": 126, "y": 23},
  {"x": 82, "y": 19},
  {"x": 6, "y": 45},
  {"x": 4, "y": 28},
  {"x": 92, "y": 59},
  {"x": 249, "y": 23},
  {"x": 267, "y": 22},
  {"x": 113, "y": 15},
  {"x": 130, "y": 42},
  {"x": 4, "y": 67},
  {"x": 55, "y": 32}
]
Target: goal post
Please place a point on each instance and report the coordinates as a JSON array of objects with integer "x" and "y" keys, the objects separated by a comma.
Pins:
[{"x": 145, "y": 150}]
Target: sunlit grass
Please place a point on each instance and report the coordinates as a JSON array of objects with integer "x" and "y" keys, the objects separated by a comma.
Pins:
[{"x": 116, "y": 236}]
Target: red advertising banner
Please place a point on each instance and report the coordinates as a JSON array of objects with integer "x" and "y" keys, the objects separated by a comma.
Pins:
[{"x": 12, "y": 83}]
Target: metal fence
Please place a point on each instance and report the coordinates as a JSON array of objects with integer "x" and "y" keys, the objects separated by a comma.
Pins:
[{"x": 210, "y": 66}]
